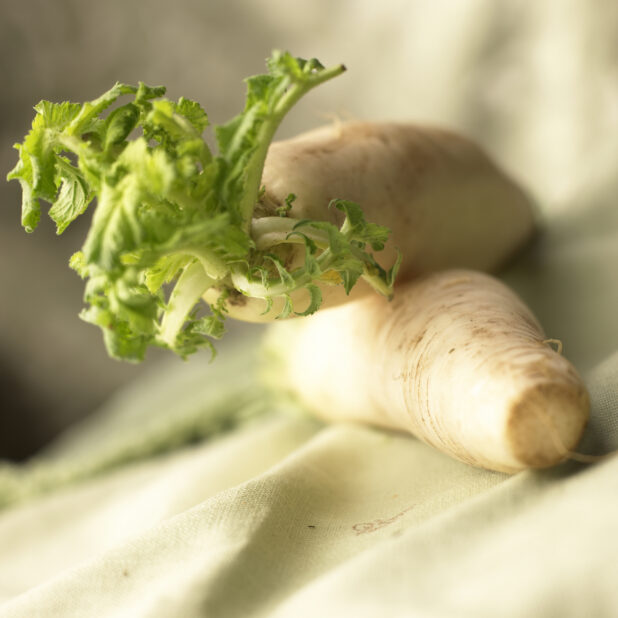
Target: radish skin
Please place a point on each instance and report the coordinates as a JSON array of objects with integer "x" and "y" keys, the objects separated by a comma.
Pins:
[
  {"x": 447, "y": 204},
  {"x": 456, "y": 358}
]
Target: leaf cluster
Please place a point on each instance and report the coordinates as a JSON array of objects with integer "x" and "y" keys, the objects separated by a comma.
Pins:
[{"x": 172, "y": 219}]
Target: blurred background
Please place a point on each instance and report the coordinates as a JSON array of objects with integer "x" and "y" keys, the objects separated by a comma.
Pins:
[{"x": 535, "y": 82}]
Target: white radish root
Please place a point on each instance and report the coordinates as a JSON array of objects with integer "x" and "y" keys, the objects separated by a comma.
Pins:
[
  {"x": 446, "y": 202},
  {"x": 456, "y": 358}
]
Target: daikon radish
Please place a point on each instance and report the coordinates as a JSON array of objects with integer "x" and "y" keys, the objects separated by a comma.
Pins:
[
  {"x": 446, "y": 202},
  {"x": 456, "y": 358}
]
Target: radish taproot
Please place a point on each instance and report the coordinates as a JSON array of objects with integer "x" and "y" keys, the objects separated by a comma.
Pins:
[
  {"x": 456, "y": 358},
  {"x": 445, "y": 201}
]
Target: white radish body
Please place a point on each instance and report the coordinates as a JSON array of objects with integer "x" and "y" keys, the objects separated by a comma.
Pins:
[
  {"x": 447, "y": 204},
  {"x": 456, "y": 358}
]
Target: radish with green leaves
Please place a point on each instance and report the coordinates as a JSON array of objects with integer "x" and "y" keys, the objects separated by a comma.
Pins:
[
  {"x": 445, "y": 201},
  {"x": 182, "y": 238},
  {"x": 258, "y": 231}
]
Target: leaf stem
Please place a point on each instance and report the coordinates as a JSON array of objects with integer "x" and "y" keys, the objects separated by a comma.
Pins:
[
  {"x": 267, "y": 232},
  {"x": 266, "y": 133},
  {"x": 191, "y": 285}
]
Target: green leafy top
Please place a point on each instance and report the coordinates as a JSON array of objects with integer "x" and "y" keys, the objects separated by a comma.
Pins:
[{"x": 171, "y": 214}]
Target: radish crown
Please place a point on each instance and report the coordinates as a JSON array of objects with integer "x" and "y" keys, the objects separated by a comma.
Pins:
[{"x": 173, "y": 219}]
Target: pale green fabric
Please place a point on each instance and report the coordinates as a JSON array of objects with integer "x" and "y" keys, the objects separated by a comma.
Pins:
[
  {"x": 287, "y": 518},
  {"x": 136, "y": 514},
  {"x": 183, "y": 403}
]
